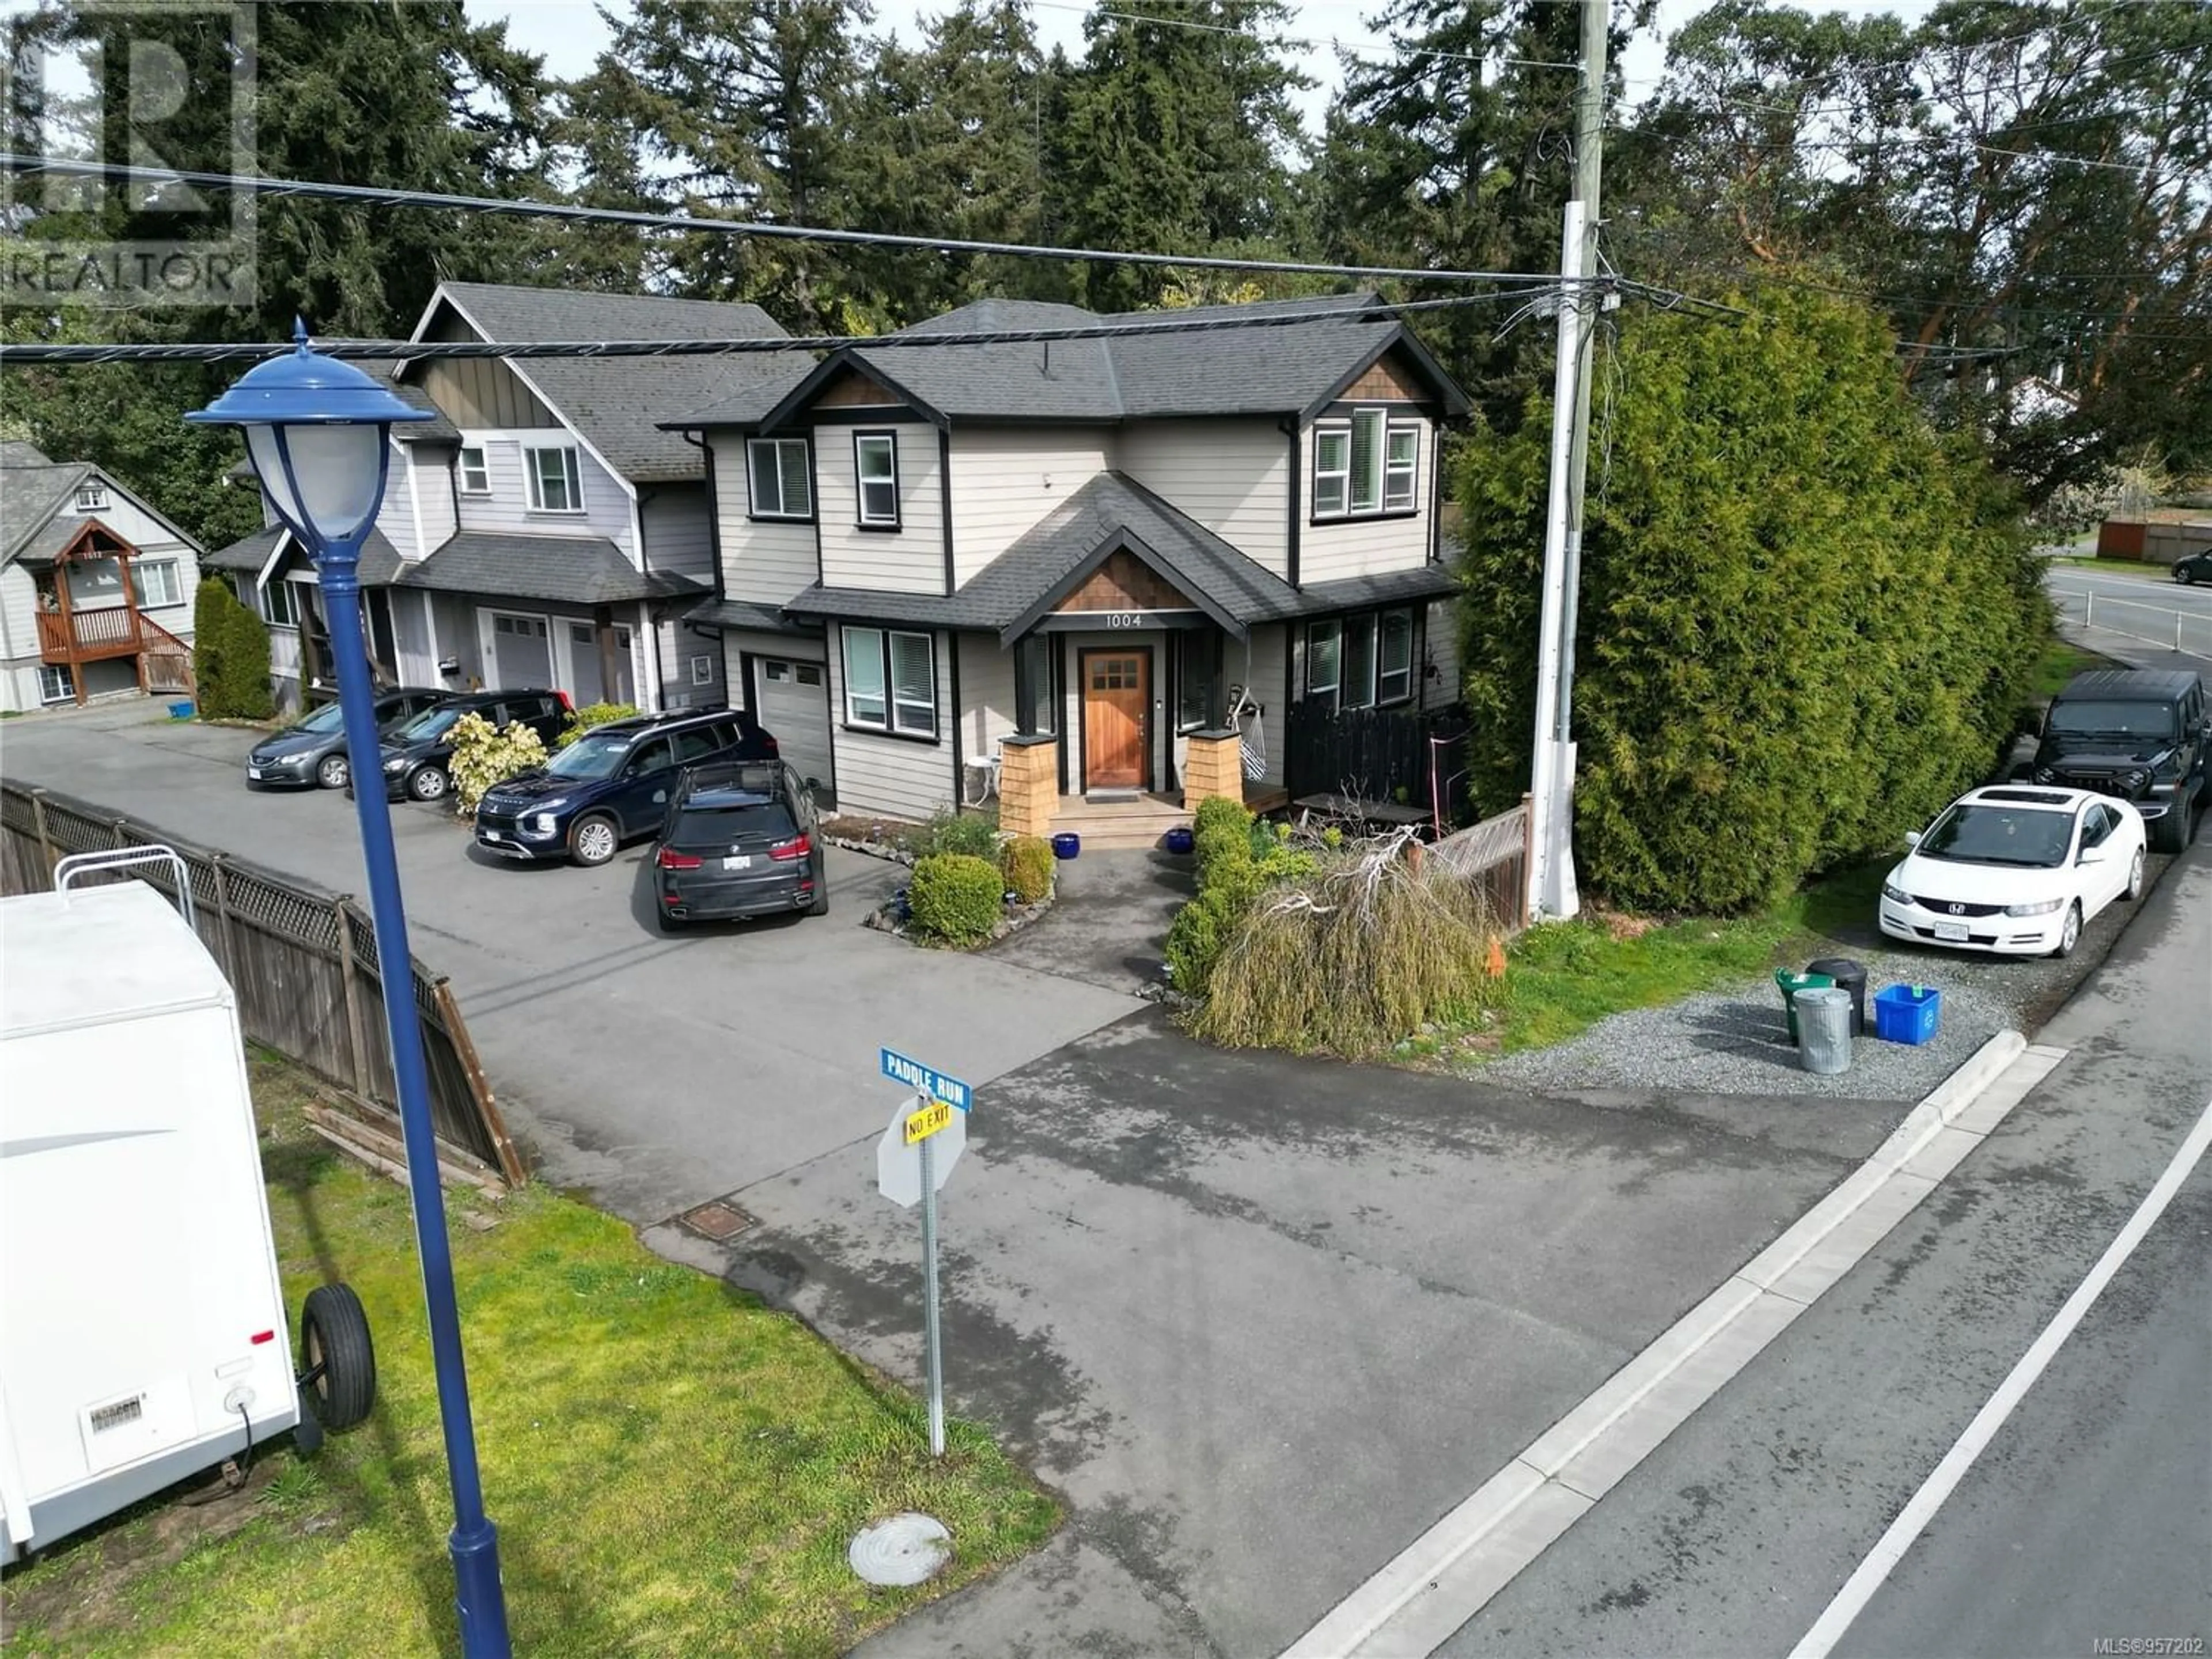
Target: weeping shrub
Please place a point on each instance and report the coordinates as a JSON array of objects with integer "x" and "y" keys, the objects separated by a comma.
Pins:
[{"x": 1349, "y": 958}]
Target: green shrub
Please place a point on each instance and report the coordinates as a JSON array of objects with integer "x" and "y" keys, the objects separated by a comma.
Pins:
[
  {"x": 230, "y": 656},
  {"x": 1348, "y": 956},
  {"x": 582, "y": 720},
  {"x": 1026, "y": 862},
  {"x": 973, "y": 834},
  {"x": 485, "y": 755},
  {"x": 957, "y": 897},
  {"x": 1221, "y": 828},
  {"x": 1238, "y": 858}
]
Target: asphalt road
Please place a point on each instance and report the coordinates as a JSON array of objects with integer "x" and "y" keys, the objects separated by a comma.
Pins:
[
  {"x": 2123, "y": 613},
  {"x": 2086, "y": 1518}
]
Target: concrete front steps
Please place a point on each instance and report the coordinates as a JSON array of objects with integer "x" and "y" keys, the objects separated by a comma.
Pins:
[{"x": 1137, "y": 823}]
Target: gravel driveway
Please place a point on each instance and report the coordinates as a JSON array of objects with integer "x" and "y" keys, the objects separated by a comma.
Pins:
[{"x": 1733, "y": 1040}]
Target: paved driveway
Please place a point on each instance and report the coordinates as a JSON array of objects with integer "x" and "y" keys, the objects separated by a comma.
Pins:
[{"x": 653, "y": 1071}]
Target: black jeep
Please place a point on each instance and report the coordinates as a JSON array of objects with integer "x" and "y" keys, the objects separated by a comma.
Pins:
[{"x": 2137, "y": 734}]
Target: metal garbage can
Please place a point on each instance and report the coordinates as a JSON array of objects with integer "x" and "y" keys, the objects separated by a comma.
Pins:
[
  {"x": 1792, "y": 986},
  {"x": 1850, "y": 977},
  {"x": 1824, "y": 1029}
]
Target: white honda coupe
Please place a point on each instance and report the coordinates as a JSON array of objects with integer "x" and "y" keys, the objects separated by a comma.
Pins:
[{"x": 2016, "y": 870}]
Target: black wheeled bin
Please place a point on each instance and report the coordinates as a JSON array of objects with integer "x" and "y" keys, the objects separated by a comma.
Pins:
[{"x": 1846, "y": 976}]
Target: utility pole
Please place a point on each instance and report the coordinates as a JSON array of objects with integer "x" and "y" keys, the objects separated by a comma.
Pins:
[{"x": 1552, "y": 889}]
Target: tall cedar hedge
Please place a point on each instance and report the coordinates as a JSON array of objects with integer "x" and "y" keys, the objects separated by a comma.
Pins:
[
  {"x": 230, "y": 656},
  {"x": 1807, "y": 617}
]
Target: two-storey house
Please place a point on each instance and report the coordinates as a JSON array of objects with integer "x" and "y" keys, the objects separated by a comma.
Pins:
[
  {"x": 96, "y": 586},
  {"x": 541, "y": 530},
  {"x": 1083, "y": 570}
]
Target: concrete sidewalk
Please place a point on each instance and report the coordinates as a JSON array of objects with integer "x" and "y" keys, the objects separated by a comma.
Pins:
[{"x": 1260, "y": 1320}]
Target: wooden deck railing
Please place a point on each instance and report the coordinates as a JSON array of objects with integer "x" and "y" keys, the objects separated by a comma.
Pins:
[{"x": 83, "y": 635}]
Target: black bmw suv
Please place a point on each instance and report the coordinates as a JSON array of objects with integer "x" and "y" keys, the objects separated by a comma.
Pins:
[
  {"x": 611, "y": 785},
  {"x": 2138, "y": 734},
  {"x": 416, "y": 755},
  {"x": 741, "y": 840}
]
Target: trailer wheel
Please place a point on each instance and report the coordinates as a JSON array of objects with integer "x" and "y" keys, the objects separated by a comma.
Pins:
[
  {"x": 337, "y": 1363},
  {"x": 308, "y": 1432}
]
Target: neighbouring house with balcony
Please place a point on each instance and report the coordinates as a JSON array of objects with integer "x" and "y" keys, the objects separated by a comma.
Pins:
[
  {"x": 541, "y": 530},
  {"x": 96, "y": 586},
  {"x": 1102, "y": 579}
]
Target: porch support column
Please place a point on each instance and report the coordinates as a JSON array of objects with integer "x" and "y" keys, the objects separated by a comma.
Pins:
[
  {"x": 1028, "y": 785},
  {"x": 69, "y": 625},
  {"x": 1213, "y": 764},
  {"x": 602, "y": 635}
]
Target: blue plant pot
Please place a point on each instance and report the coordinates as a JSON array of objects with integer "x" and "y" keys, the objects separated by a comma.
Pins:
[
  {"x": 1067, "y": 844},
  {"x": 1181, "y": 842}
]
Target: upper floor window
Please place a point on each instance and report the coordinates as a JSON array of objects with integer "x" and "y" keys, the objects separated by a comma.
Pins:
[
  {"x": 91, "y": 498},
  {"x": 1365, "y": 465},
  {"x": 875, "y": 464},
  {"x": 476, "y": 473},
  {"x": 156, "y": 584},
  {"x": 556, "y": 479},
  {"x": 781, "y": 480}
]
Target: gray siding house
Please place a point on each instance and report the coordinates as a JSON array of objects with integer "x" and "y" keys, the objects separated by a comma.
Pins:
[
  {"x": 938, "y": 562},
  {"x": 96, "y": 586},
  {"x": 541, "y": 530}
]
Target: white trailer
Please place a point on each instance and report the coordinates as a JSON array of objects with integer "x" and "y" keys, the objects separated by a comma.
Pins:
[{"x": 143, "y": 1335}]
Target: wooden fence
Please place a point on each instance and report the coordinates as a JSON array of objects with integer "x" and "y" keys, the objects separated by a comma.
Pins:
[
  {"x": 303, "y": 964},
  {"x": 1376, "y": 754},
  {"x": 1494, "y": 855}
]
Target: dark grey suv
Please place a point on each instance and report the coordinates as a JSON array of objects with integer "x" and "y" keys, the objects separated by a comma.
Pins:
[{"x": 2138, "y": 734}]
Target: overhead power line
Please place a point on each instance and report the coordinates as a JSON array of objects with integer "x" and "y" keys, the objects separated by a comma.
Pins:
[
  {"x": 526, "y": 208},
  {"x": 420, "y": 350},
  {"x": 1369, "y": 46}
]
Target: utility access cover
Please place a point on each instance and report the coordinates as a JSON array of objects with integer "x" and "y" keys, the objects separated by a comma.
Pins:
[{"x": 906, "y": 1549}]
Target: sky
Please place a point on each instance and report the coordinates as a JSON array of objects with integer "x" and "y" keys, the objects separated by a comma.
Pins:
[{"x": 571, "y": 34}]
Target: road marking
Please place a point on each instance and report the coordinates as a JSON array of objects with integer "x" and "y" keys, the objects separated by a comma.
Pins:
[
  {"x": 1881, "y": 1561},
  {"x": 1445, "y": 1577}
]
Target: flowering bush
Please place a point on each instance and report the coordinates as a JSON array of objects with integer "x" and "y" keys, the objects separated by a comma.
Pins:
[{"x": 485, "y": 755}]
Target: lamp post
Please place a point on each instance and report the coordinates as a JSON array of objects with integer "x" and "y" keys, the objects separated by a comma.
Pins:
[{"x": 318, "y": 432}]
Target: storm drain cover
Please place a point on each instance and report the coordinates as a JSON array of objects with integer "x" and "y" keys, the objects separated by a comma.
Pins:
[
  {"x": 906, "y": 1549},
  {"x": 717, "y": 1220}
]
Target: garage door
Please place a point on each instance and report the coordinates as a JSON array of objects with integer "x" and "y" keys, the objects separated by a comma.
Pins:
[
  {"x": 794, "y": 704},
  {"x": 522, "y": 655}
]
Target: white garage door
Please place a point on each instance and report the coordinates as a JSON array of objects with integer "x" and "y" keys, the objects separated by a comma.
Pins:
[
  {"x": 522, "y": 654},
  {"x": 794, "y": 705}
]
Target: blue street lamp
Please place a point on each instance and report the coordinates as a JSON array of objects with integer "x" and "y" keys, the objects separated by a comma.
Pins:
[{"x": 320, "y": 434}]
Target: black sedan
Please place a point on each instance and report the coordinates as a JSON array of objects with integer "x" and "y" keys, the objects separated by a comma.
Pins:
[
  {"x": 741, "y": 840},
  {"x": 2194, "y": 568},
  {"x": 312, "y": 754}
]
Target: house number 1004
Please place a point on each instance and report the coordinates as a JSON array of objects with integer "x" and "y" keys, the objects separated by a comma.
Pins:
[{"x": 1125, "y": 619}]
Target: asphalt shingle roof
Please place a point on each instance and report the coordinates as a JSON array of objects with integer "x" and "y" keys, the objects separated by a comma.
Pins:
[
  {"x": 617, "y": 401},
  {"x": 32, "y": 490},
  {"x": 744, "y": 613},
  {"x": 571, "y": 569},
  {"x": 1113, "y": 510},
  {"x": 247, "y": 553}
]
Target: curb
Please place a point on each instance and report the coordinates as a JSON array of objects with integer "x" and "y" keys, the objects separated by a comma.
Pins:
[{"x": 1441, "y": 1580}]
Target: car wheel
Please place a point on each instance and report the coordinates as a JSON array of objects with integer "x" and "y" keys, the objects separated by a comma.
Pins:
[
  {"x": 338, "y": 1362},
  {"x": 332, "y": 772},
  {"x": 2071, "y": 935},
  {"x": 670, "y": 924},
  {"x": 821, "y": 905},
  {"x": 2134, "y": 876},
  {"x": 427, "y": 783},
  {"x": 2184, "y": 574},
  {"x": 2171, "y": 832},
  {"x": 593, "y": 839}
]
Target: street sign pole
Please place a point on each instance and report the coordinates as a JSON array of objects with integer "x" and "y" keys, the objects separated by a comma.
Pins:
[{"x": 929, "y": 1291}]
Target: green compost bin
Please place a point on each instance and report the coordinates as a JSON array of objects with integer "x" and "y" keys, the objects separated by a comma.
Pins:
[{"x": 1790, "y": 984}]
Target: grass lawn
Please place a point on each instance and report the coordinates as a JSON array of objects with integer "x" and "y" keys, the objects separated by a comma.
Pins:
[
  {"x": 2060, "y": 663},
  {"x": 673, "y": 1468}
]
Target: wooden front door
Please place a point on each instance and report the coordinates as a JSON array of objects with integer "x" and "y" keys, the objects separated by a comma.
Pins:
[{"x": 1117, "y": 726}]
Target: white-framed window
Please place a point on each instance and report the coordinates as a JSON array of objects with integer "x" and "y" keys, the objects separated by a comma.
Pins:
[
  {"x": 156, "y": 584},
  {"x": 1401, "y": 468},
  {"x": 91, "y": 498},
  {"x": 1394, "y": 660},
  {"x": 1366, "y": 464},
  {"x": 1332, "y": 485},
  {"x": 781, "y": 479},
  {"x": 476, "y": 471},
  {"x": 57, "y": 682},
  {"x": 875, "y": 467},
  {"x": 703, "y": 670},
  {"x": 891, "y": 681},
  {"x": 555, "y": 477},
  {"x": 280, "y": 606}
]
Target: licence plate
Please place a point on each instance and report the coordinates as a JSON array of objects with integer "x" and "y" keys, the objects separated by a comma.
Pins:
[
  {"x": 491, "y": 835},
  {"x": 253, "y": 772},
  {"x": 739, "y": 861},
  {"x": 1955, "y": 932}
]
